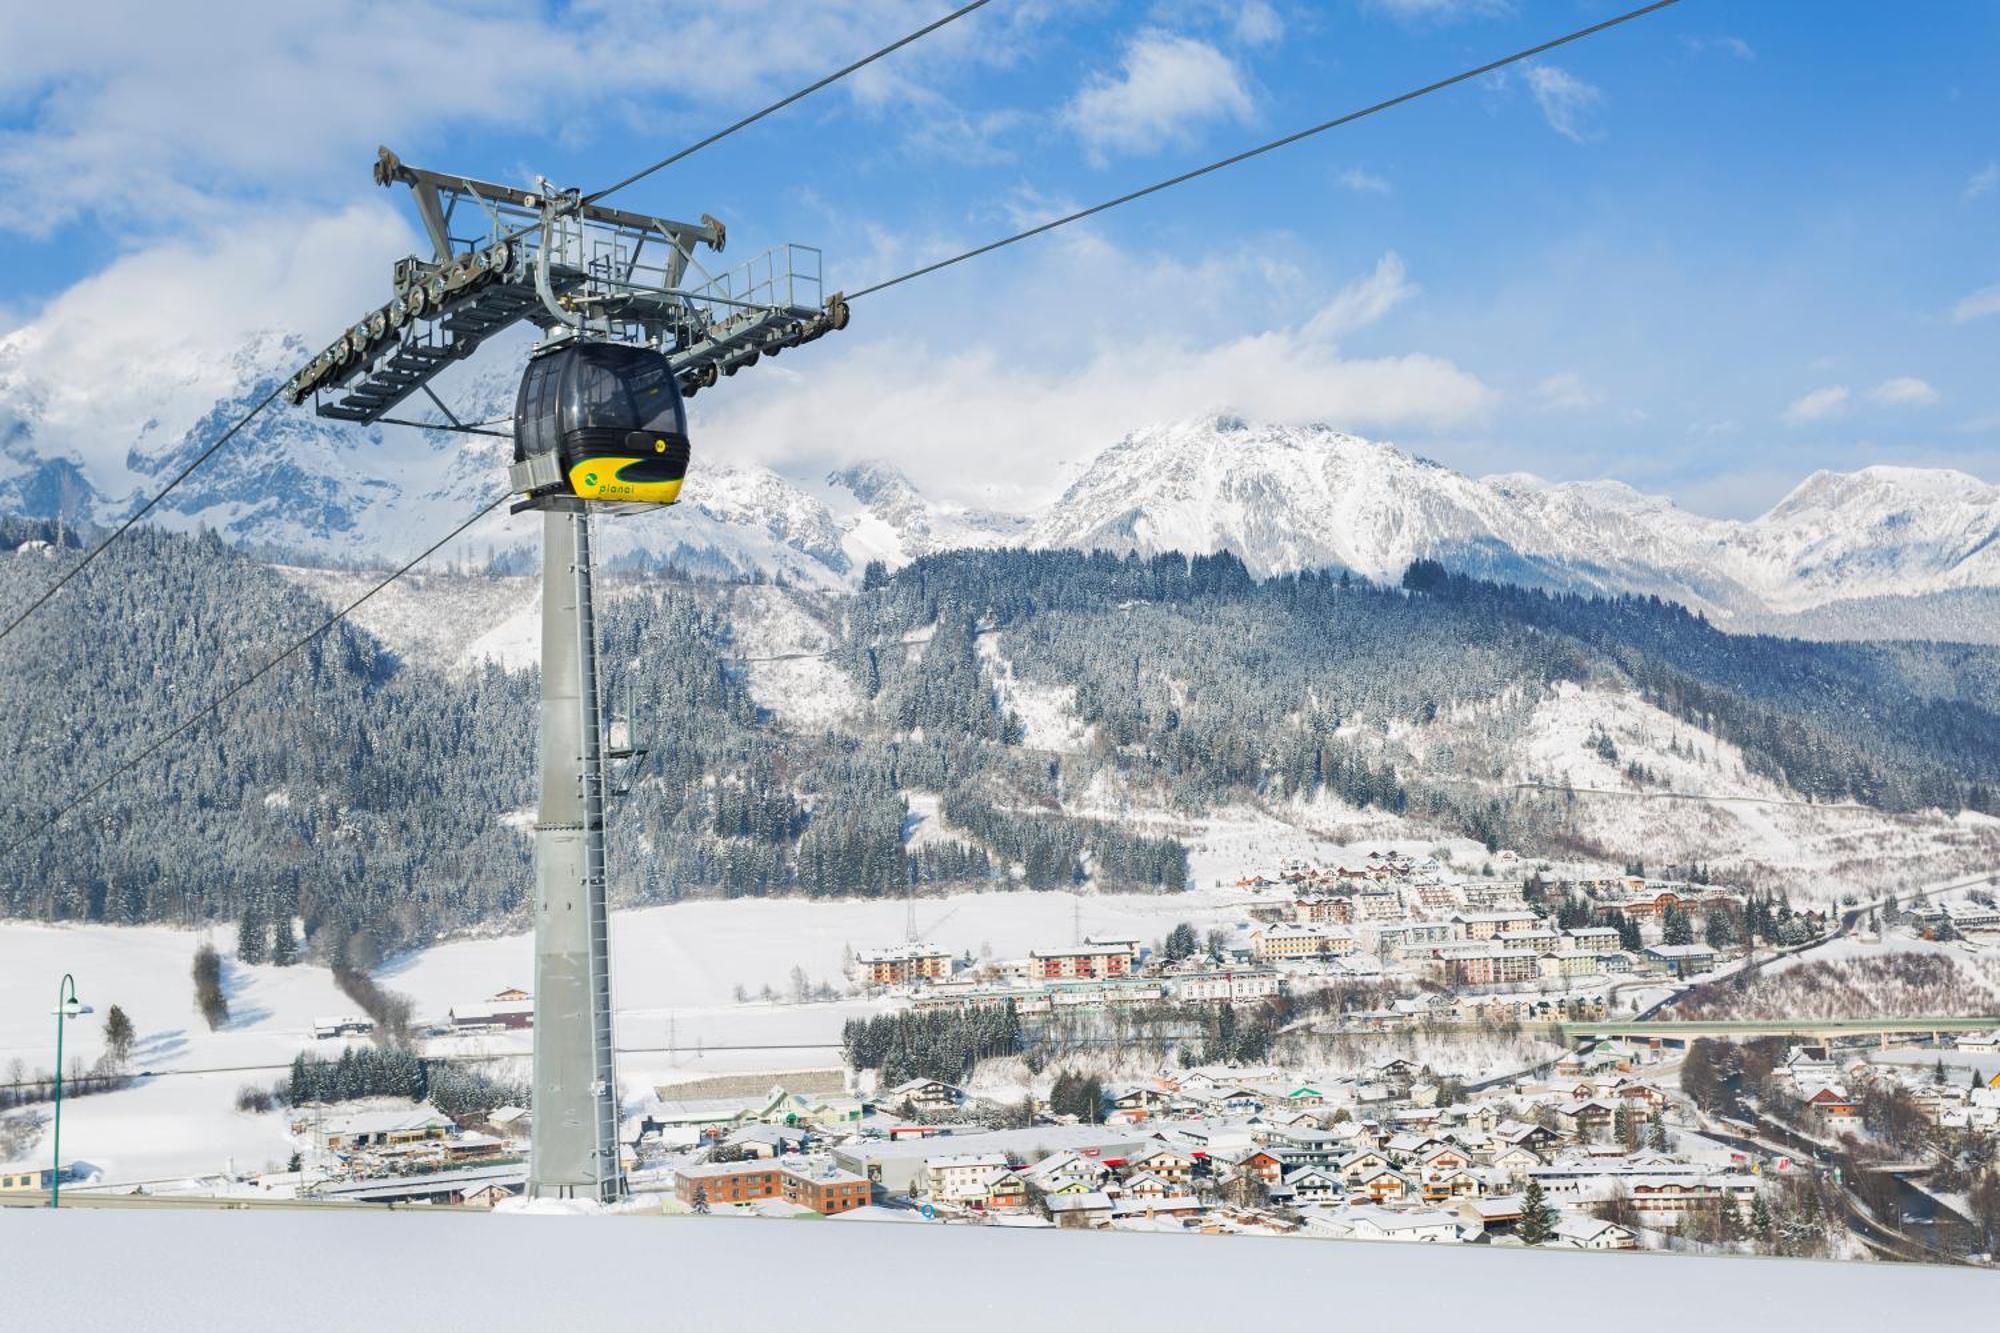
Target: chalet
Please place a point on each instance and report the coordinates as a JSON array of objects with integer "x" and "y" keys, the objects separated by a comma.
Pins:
[
  {"x": 1837, "y": 1111},
  {"x": 1587, "y": 1119},
  {"x": 1358, "y": 1166},
  {"x": 1535, "y": 1138},
  {"x": 1146, "y": 1185},
  {"x": 1079, "y": 1210},
  {"x": 1135, "y": 1103},
  {"x": 1395, "y": 1071},
  {"x": 1066, "y": 1172},
  {"x": 1259, "y": 1164},
  {"x": 1450, "y": 1186},
  {"x": 1174, "y": 1167},
  {"x": 1006, "y": 1190},
  {"x": 1441, "y": 1160},
  {"x": 927, "y": 1095},
  {"x": 1583, "y": 1232},
  {"x": 1312, "y": 1184},
  {"x": 1387, "y": 1185}
]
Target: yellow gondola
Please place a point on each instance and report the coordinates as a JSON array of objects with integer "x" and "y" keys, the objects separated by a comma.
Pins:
[{"x": 613, "y": 416}]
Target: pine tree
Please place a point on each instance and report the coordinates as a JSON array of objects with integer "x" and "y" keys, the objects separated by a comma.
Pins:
[
  {"x": 1760, "y": 1219},
  {"x": 251, "y": 935},
  {"x": 1538, "y": 1220},
  {"x": 284, "y": 944}
]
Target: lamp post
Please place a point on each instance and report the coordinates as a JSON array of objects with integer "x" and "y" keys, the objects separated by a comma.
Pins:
[{"x": 67, "y": 1007}]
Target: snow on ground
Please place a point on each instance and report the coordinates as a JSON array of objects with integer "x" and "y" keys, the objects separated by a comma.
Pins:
[
  {"x": 172, "y": 1125},
  {"x": 675, "y": 971},
  {"x": 1047, "y": 712},
  {"x": 166, "y": 1278},
  {"x": 1557, "y": 748},
  {"x": 439, "y": 619},
  {"x": 1239, "y": 840},
  {"x": 810, "y": 694}
]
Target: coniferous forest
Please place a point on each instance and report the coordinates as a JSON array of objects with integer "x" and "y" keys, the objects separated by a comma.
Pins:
[{"x": 378, "y": 801}]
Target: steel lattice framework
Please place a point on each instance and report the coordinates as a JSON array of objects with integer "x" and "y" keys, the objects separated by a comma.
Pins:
[{"x": 503, "y": 255}]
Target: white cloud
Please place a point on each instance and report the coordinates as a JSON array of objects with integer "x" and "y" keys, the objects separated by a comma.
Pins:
[
  {"x": 1440, "y": 11},
  {"x": 1363, "y": 182},
  {"x": 1363, "y": 301},
  {"x": 1985, "y": 301},
  {"x": 1732, "y": 46},
  {"x": 1566, "y": 391},
  {"x": 1818, "y": 405},
  {"x": 1904, "y": 391},
  {"x": 1167, "y": 87},
  {"x": 977, "y": 421},
  {"x": 1566, "y": 101},
  {"x": 1983, "y": 181},
  {"x": 136, "y": 111},
  {"x": 130, "y": 356},
  {"x": 1257, "y": 24}
]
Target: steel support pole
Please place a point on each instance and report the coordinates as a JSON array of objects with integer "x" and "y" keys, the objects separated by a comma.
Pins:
[{"x": 574, "y": 1145}]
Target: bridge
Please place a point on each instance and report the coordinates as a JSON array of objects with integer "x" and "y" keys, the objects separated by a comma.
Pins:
[{"x": 1822, "y": 1029}]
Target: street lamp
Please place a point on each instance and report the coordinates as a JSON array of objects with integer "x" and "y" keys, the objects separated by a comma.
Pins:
[{"x": 67, "y": 1007}]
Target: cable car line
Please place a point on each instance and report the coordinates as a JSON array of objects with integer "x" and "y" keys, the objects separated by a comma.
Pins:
[
  {"x": 139, "y": 513},
  {"x": 268, "y": 398},
  {"x": 1273, "y": 145},
  {"x": 780, "y": 105},
  {"x": 160, "y": 742}
]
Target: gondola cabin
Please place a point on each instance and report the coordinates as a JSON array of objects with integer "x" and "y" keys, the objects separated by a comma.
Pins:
[{"x": 612, "y": 414}]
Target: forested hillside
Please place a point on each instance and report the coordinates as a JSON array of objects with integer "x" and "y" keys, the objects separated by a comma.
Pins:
[{"x": 364, "y": 793}]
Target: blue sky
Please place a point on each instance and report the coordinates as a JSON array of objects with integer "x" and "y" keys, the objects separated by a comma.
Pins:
[{"x": 1705, "y": 253}]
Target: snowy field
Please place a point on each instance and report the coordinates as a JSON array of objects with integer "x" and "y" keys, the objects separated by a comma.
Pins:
[
  {"x": 704, "y": 1273},
  {"x": 675, "y": 971}
]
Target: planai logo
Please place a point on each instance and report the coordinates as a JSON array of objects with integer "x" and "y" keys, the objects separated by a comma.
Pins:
[{"x": 590, "y": 478}]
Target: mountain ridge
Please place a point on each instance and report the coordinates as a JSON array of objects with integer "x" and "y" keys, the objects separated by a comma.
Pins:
[{"x": 1283, "y": 498}]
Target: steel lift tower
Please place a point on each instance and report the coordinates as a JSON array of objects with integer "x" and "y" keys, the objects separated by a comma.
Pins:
[{"x": 599, "y": 425}]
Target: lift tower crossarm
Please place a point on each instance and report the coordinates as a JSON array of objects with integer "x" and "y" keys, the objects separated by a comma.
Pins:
[
  {"x": 390, "y": 170},
  {"x": 549, "y": 257}
]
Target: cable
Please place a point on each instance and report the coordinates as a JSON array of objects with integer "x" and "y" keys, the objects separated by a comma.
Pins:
[
  {"x": 160, "y": 742},
  {"x": 780, "y": 105},
  {"x": 1274, "y": 144},
  {"x": 663, "y": 163},
  {"x": 140, "y": 513}
]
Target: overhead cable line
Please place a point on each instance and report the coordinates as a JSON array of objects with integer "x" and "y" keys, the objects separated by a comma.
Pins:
[
  {"x": 268, "y": 398},
  {"x": 140, "y": 512},
  {"x": 160, "y": 742},
  {"x": 1259, "y": 150},
  {"x": 782, "y": 103}
]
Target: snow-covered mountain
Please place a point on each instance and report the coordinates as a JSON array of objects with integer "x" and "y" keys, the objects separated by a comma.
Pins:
[
  {"x": 1282, "y": 497},
  {"x": 1286, "y": 498}
]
